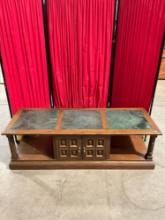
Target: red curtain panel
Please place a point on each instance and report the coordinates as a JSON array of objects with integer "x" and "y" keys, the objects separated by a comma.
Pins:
[
  {"x": 22, "y": 48},
  {"x": 140, "y": 32},
  {"x": 80, "y": 37}
]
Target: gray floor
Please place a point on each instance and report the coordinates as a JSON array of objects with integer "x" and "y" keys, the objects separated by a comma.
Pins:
[{"x": 84, "y": 194}]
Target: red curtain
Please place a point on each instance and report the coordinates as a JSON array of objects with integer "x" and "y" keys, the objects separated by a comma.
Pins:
[
  {"x": 23, "y": 54},
  {"x": 80, "y": 37},
  {"x": 140, "y": 31}
]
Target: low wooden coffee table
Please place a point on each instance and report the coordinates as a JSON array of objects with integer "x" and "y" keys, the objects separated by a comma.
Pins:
[{"x": 81, "y": 138}]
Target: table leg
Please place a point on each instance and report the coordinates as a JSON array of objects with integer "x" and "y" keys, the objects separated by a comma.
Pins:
[
  {"x": 14, "y": 155},
  {"x": 151, "y": 144}
]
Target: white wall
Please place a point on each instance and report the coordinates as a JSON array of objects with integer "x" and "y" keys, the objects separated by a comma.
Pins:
[{"x": 1, "y": 78}]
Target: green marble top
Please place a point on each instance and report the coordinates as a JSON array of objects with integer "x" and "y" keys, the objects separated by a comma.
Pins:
[
  {"x": 126, "y": 119},
  {"x": 40, "y": 119},
  {"x": 81, "y": 119}
]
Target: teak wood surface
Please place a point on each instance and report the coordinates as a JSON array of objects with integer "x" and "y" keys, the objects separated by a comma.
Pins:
[
  {"x": 57, "y": 130},
  {"x": 127, "y": 152}
]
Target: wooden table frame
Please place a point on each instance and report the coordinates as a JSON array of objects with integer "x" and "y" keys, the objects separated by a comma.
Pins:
[
  {"x": 154, "y": 130},
  {"x": 147, "y": 163}
]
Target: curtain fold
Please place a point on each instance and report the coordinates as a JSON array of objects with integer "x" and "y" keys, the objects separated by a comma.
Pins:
[
  {"x": 80, "y": 38},
  {"x": 141, "y": 26},
  {"x": 22, "y": 48}
]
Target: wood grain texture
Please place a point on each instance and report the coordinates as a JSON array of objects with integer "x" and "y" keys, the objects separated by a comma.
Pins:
[
  {"x": 13, "y": 149},
  {"x": 127, "y": 148},
  {"x": 38, "y": 165},
  {"x": 59, "y": 120},
  {"x": 162, "y": 67}
]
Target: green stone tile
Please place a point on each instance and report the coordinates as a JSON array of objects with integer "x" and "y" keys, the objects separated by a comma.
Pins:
[
  {"x": 36, "y": 119},
  {"x": 126, "y": 119},
  {"x": 81, "y": 119}
]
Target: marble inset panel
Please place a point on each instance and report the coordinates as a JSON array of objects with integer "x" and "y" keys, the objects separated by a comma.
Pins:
[
  {"x": 81, "y": 119},
  {"x": 126, "y": 119},
  {"x": 36, "y": 119}
]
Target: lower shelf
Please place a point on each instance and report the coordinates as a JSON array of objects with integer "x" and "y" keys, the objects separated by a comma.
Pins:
[{"x": 127, "y": 152}]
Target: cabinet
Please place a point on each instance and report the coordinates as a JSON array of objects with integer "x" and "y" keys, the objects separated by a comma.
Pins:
[{"x": 81, "y": 147}]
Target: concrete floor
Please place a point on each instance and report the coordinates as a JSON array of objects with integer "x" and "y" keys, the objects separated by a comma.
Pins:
[{"x": 84, "y": 194}]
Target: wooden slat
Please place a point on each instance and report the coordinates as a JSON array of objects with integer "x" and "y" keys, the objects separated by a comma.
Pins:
[
  {"x": 34, "y": 165},
  {"x": 162, "y": 67}
]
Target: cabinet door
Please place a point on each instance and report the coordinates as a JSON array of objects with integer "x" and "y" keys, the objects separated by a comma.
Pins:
[
  {"x": 61, "y": 148},
  {"x": 75, "y": 149},
  {"x": 96, "y": 147},
  {"x": 89, "y": 147},
  {"x": 67, "y": 147},
  {"x": 102, "y": 147}
]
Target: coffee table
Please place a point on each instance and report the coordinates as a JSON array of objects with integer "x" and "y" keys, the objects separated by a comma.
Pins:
[{"x": 101, "y": 138}]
